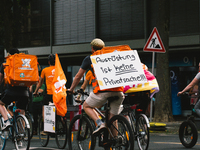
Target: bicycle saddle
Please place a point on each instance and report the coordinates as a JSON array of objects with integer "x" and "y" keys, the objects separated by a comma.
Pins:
[{"x": 112, "y": 98}]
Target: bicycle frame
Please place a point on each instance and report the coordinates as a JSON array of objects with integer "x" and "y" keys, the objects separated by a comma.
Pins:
[
  {"x": 112, "y": 137},
  {"x": 133, "y": 118}
]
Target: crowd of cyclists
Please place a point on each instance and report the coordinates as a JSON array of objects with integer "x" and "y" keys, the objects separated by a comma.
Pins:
[{"x": 97, "y": 97}]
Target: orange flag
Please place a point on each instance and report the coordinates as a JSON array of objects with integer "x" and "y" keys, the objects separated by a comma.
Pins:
[{"x": 59, "y": 89}]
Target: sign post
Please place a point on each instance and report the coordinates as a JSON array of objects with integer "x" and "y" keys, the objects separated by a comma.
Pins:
[{"x": 154, "y": 44}]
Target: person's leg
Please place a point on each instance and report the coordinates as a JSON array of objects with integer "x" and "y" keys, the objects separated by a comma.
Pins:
[
  {"x": 90, "y": 111},
  {"x": 5, "y": 101},
  {"x": 115, "y": 108},
  {"x": 3, "y": 110},
  {"x": 34, "y": 116},
  {"x": 95, "y": 100},
  {"x": 21, "y": 103}
]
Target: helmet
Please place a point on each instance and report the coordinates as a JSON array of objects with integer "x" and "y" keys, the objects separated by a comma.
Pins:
[
  {"x": 51, "y": 59},
  {"x": 97, "y": 44}
]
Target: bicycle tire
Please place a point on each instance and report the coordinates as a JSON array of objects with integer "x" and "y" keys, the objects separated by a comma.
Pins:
[
  {"x": 31, "y": 122},
  {"x": 61, "y": 132},
  {"x": 85, "y": 140},
  {"x": 2, "y": 136},
  {"x": 22, "y": 137},
  {"x": 188, "y": 134},
  {"x": 142, "y": 131},
  {"x": 44, "y": 139},
  {"x": 124, "y": 131}
]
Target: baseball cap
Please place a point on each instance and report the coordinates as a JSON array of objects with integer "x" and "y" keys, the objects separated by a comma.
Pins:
[{"x": 97, "y": 43}]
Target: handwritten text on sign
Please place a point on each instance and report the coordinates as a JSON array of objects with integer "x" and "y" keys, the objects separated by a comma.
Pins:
[
  {"x": 49, "y": 118},
  {"x": 119, "y": 68}
]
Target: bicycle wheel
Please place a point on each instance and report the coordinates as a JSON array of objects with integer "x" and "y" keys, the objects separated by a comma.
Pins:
[
  {"x": 188, "y": 134},
  {"x": 125, "y": 136},
  {"x": 80, "y": 134},
  {"x": 21, "y": 133},
  {"x": 142, "y": 131},
  {"x": 2, "y": 136},
  {"x": 61, "y": 132},
  {"x": 44, "y": 137},
  {"x": 31, "y": 122}
]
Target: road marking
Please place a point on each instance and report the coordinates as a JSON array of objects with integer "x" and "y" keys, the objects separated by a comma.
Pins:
[
  {"x": 47, "y": 148},
  {"x": 170, "y": 143}
]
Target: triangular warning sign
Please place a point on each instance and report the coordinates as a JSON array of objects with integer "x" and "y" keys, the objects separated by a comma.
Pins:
[{"x": 154, "y": 43}]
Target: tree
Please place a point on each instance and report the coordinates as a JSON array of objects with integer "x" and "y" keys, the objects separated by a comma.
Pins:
[{"x": 163, "y": 111}]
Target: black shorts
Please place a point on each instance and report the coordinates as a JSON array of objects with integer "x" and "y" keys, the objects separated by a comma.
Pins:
[
  {"x": 47, "y": 99},
  {"x": 21, "y": 101}
]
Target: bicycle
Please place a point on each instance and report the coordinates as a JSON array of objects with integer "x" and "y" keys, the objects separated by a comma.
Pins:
[
  {"x": 60, "y": 132},
  {"x": 81, "y": 128},
  {"x": 188, "y": 133},
  {"x": 19, "y": 132},
  {"x": 28, "y": 116},
  {"x": 138, "y": 121},
  {"x": 31, "y": 122}
]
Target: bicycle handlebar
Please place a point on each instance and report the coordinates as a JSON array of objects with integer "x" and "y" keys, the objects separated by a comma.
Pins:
[{"x": 79, "y": 93}]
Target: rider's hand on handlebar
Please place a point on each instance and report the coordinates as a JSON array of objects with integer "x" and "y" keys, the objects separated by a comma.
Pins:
[
  {"x": 70, "y": 91},
  {"x": 35, "y": 94},
  {"x": 179, "y": 93}
]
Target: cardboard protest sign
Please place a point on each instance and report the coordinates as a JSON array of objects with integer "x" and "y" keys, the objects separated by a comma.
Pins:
[
  {"x": 119, "y": 68},
  {"x": 49, "y": 118}
]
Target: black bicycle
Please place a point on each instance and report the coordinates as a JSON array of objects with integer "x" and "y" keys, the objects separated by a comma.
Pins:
[
  {"x": 140, "y": 125},
  {"x": 81, "y": 128},
  {"x": 60, "y": 132},
  {"x": 19, "y": 132},
  {"x": 188, "y": 133},
  {"x": 31, "y": 122}
]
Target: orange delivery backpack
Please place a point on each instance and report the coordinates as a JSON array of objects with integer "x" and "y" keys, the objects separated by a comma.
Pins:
[{"x": 21, "y": 70}]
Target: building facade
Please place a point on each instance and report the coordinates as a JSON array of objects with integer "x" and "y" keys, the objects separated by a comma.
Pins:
[{"x": 66, "y": 27}]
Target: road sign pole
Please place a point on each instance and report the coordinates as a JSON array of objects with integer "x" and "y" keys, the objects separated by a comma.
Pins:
[{"x": 151, "y": 109}]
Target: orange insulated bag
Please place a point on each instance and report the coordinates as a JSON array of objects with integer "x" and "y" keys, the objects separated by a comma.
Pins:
[{"x": 21, "y": 70}]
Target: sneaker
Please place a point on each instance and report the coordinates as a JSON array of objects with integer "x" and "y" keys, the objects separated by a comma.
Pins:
[
  {"x": 99, "y": 129},
  {"x": 6, "y": 125},
  {"x": 43, "y": 133}
]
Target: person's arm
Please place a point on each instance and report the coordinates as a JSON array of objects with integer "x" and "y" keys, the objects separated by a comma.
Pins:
[
  {"x": 84, "y": 85},
  {"x": 38, "y": 86},
  {"x": 76, "y": 80},
  {"x": 189, "y": 86},
  {"x": 41, "y": 89}
]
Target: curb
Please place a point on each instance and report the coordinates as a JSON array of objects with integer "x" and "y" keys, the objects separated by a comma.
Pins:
[{"x": 169, "y": 127}]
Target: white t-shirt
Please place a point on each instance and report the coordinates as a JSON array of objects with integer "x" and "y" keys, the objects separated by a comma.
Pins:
[{"x": 198, "y": 76}]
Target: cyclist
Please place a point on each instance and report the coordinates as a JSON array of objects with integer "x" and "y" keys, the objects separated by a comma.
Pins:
[
  {"x": 12, "y": 93},
  {"x": 189, "y": 86},
  {"x": 36, "y": 105},
  {"x": 97, "y": 97},
  {"x": 47, "y": 74}
]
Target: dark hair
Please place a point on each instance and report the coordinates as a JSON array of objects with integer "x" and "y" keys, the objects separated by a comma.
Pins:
[
  {"x": 14, "y": 51},
  {"x": 51, "y": 59}
]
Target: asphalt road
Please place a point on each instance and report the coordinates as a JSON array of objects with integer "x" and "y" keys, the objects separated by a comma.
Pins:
[{"x": 158, "y": 141}]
